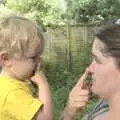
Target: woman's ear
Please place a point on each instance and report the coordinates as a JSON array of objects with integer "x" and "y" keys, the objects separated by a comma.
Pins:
[{"x": 4, "y": 59}]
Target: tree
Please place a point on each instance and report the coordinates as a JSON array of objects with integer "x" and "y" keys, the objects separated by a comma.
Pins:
[
  {"x": 41, "y": 11},
  {"x": 65, "y": 11},
  {"x": 35, "y": 9},
  {"x": 91, "y": 11}
]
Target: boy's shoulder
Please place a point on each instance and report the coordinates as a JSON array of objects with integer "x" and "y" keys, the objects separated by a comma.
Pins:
[
  {"x": 16, "y": 100},
  {"x": 9, "y": 84}
]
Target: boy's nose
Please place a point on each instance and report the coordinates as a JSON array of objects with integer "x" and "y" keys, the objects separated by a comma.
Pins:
[{"x": 38, "y": 59}]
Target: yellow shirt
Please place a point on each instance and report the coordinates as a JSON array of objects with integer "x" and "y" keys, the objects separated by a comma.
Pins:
[{"x": 16, "y": 100}]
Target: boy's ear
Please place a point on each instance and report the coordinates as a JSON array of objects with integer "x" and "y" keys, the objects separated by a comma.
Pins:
[{"x": 4, "y": 59}]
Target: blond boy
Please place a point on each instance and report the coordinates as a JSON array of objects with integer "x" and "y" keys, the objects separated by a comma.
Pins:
[{"x": 21, "y": 45}]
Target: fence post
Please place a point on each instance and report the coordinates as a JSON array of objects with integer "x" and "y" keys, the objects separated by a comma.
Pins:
[{"x": 69, "y": 48}]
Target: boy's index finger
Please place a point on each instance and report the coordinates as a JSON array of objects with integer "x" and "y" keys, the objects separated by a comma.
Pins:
[{"x": 82, "y": 79}]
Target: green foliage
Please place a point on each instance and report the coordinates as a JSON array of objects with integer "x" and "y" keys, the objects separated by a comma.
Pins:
[
  {"x": 65, "y": 11},
  {"x": 25, "y": 6},
  {"x": 42, "y": 11},
  {"x": 60, "y": 97},
  {"x": 109, "y": 9},
  {"x": 91, "y": 11},
  {"x": 33, "y": 9}
]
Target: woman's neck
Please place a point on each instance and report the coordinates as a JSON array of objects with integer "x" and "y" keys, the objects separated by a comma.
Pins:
[{"x": 114, "y": 102}]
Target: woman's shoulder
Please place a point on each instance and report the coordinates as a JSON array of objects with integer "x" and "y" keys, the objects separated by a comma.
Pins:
[{"x": 100, "y": 108}]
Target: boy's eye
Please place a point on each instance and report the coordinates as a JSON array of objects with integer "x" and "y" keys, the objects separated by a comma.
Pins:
[{"x": 34, "y": 57}]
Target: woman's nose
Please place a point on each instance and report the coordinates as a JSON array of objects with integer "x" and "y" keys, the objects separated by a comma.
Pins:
[{"x": 91, "y": 68}]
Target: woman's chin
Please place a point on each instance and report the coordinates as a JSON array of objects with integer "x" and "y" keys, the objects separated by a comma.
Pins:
[{"x": 93, "y": 88}]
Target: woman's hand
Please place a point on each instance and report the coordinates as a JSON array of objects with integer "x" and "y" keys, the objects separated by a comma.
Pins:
[
  {"x": 79, "y": 95},
  {"x": 78, "y": 98}
]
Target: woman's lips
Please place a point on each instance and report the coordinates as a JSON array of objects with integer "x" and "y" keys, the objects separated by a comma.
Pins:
[{"x": 93, "y": 80}]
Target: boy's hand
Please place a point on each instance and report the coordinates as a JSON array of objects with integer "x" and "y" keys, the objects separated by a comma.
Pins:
[
  {"x": 38, "y": 78},
  {"x": 44, "y": 95}
]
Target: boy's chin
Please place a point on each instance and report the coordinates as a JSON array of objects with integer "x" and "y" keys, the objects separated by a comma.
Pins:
[{"x": 29, "y": 75}]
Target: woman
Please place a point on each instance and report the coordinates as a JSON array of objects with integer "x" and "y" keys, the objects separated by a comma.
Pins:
[{"x": 106, "y": 78}]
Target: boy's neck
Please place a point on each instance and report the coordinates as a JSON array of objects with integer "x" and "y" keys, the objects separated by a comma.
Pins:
[{"x": 5, "y": 72}]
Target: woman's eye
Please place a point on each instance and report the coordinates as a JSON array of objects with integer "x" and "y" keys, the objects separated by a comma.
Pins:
[{"x": 98, "y": 61}]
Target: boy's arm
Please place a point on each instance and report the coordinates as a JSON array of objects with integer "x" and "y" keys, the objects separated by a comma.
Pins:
[{"x": 46, "y": 111}]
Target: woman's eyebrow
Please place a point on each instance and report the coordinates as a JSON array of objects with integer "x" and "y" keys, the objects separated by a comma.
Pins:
[{"x": 95, "y": 55}]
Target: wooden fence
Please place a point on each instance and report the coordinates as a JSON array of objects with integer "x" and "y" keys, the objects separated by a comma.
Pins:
[{"x": 68, "y": 47}]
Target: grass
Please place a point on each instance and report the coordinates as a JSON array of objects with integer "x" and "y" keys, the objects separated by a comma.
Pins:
[
  {"x": 60, "y": 97},
  {"x": 61, "y": 88}
]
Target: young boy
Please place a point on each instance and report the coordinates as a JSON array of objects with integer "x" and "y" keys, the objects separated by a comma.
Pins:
[{"x": 21, "y": 45}]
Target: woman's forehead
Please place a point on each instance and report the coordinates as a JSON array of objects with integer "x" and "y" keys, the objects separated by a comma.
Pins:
[
  {"x": 98, "y": 50},
  {"x": 98, "y": 45}
]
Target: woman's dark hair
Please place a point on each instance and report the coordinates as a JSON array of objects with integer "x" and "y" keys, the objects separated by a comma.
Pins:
[{"x": 109, "y": 34}]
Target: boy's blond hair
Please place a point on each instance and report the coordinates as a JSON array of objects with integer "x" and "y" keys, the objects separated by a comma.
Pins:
[{"x": 18, "y": 35}]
